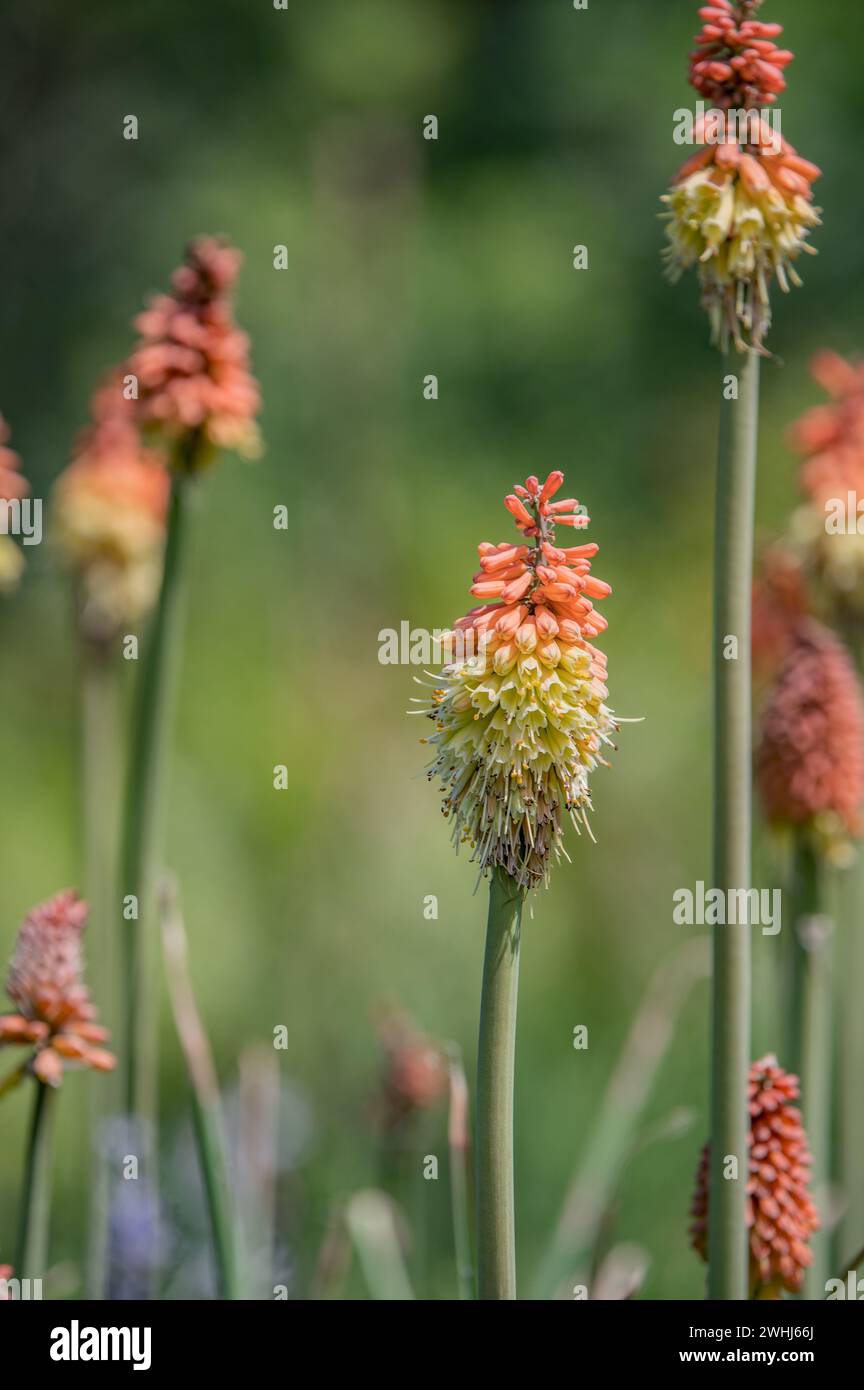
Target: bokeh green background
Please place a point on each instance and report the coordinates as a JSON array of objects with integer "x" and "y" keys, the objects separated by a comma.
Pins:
[{"x": 405, "y": 257}]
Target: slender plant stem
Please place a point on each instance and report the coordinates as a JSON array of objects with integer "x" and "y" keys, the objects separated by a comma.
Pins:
[
  {"x": 150, "y": 741},
  {"x": 804, "y": 904},
  {"x": 496, "y": 1236},
  {"x": 206, "y": 1104},
  {"x": 32, "y": 1253},
  {"x": 100, "y": 767},
  {"x": 730, "y": 1055},
  {"x": 457, "y": 1134},
  {"x": 851, "y": 1110},
  {"x": 210, "y": 1142},
  {"x": 810, "y": 1040}
]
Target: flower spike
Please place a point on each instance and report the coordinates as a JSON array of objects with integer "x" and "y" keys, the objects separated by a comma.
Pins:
[
  {"x": 780, "y": 1214},
  {"x": 191, "y": 363},
  {"x": 519, "y": 714},
  {"x": 740, "y": 209},
  {"x": 55, "y": 1016}
]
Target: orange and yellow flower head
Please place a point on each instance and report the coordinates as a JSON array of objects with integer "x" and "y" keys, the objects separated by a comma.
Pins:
[
  {"x": 519, "y": 716},
  {"x": 108, "y": 517},
  {"x": 741, "y": 209}
]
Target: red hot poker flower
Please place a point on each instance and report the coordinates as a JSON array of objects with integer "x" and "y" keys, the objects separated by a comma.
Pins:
[
  {"x": 192, "y": 363},
  {"x": 520, "y": 715},
  {"x": 810, "y": 758},
  {"x": 781, "y": 1216},
  {"x": 741, "y": 208},
  {"x": 55, "y": 1015},
  {"x": 109, "y": 510}
]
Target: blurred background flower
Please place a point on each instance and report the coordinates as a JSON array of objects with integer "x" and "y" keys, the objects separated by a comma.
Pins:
[
  {"x": 13, "y": 487},
  {"x": 108, "y": 515}
]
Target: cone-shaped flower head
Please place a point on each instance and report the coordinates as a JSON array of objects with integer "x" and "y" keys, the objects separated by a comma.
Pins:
[
  {"x": 520, "y": 722},
  {"x": 780, "y": 1215},
  {"x": 13, "y": 487},
  {"x": 55, "y": 1015},
  {"x": 741, "y": 208},
  {"x": 192, "y": 363},
  {"x": 109, "y": 510},
  {"x": 810, "y": 757},
  {"x": 831, "y": 439}
]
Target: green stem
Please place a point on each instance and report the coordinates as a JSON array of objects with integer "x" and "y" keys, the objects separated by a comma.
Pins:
[
  {"x": 804, "y": 904},
  {"x": 210, "y": 1142},
  {"x": 206, "y": 1104},
  {"x": 810, "y": 1039},
  {"x": 851, "y": 1111},
  {"x": 32, "y": 1252},
  {"x": 730, "y": 1056},
  {"x": 496, "y": 1238},
  {"x": 99, "y": 779},
  {"x": 458, "y": 1145},
  {"x": 150, "y": 741}
]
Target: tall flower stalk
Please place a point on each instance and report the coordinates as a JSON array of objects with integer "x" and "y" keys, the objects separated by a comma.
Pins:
[
  {"x": 730, "y": 979},
  {"x": 740, "y": 211},
  {"x": 496, "y": 1062},
  {"x": 108, "y": 527},
  {"x": 153, "y": 720},
  {"x": 194, "y": 397},
  {"x": 520, "y": 724},
  {"x": 31, "y": 1252}
]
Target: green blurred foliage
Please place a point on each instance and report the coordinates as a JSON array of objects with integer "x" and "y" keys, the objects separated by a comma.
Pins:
[{"x": 405, "y": 257}]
